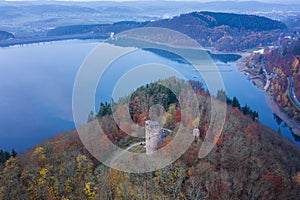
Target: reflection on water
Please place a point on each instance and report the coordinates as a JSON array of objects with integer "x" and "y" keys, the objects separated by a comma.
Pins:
[
  {"x": 296, "y": 137},
  {"x": 36, "y": 90},
  {"x": 37, "y": 82},
  {"x": 277, "y": 119}
]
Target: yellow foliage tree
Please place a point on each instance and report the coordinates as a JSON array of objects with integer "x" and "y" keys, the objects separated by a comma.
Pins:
[
  {"x": 43, "y": 174},
  {"x": 196, "y": 122},
  {"x": 39, "y": 155},
  {"x": 172, "y": 109},
  {"x": 68, "y": 185},
  {"x": 84, "y": 167},
  {"x": 90, "y": 190}
]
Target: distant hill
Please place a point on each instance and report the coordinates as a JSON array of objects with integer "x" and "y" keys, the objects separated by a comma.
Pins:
[
  {"x": 248, "y": 22},
  {"x": 6, "y": 35},
  {"x": 97, "y": 29},
  {"x": 250, "y": 161},
  {"x": 222, "y": 31},
  {"x": 211, "y": 20},
  {"x": 225, "y": 31}
]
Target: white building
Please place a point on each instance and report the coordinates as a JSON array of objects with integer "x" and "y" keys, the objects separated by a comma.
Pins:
[{"x": 196, "y": 132}]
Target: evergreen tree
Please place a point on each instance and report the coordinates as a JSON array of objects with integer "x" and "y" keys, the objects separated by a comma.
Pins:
[
  {"x": 221, "y": 95},
  {"x": 13, "y": 153},
  {"x": 4, "y": 156},
  {"x": 246, "y": 110},
  {"x": 101, "y": 110},
  {"x": 105, "y": 109},
  {"x": 236, "y": 103}
]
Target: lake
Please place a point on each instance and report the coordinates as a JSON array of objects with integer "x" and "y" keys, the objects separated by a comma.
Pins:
[{"x": 37, "y": 82}]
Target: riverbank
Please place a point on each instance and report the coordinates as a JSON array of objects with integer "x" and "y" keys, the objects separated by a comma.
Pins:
[
  {"x": 255, "y": 78},
  {"x": 277, "y": 110},
  {"x": 260, "y": 83}
]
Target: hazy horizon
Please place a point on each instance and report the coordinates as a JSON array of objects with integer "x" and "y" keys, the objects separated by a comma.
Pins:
[{"x": 200, "y": 1}]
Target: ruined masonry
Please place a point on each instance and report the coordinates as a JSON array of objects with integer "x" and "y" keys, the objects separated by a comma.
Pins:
[{"x": 153, "y": 136}]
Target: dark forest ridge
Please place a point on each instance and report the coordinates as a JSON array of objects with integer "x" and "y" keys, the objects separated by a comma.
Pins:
[
  {"x": 222, "y": 31},
  {"x": 240, "y": 21},
  {"x": 225, "y": 31}
]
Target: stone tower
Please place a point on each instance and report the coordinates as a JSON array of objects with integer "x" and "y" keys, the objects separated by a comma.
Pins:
[{"x": 153, "y": 136}]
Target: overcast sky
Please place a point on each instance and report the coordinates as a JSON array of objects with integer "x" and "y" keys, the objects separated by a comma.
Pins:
[
  {"x": 166, "y": 0},
  {"x": 268, "y": 1}
]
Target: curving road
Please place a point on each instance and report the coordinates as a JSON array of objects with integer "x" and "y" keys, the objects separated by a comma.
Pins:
[
  {"x": 292, "y": 94},
  {"x": 113, "y": 160},
  {"x": 134, "y": 145}
]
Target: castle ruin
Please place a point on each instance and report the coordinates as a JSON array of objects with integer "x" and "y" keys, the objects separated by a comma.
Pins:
[{"x": 154, "y": 135}]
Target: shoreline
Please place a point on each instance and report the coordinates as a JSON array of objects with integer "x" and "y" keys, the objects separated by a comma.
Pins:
[
  {"x": 291, "y": 123},
  {"x": 240, "y": 65},
  {"x": 25, "y": 41},
  {"x": 259, "y": 83}
]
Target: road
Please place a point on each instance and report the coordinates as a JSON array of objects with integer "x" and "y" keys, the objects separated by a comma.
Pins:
[
  {"x": 292, "y": 94},
  {"x": 113, "y": 160},
  {"x": 134, "y": 145}
]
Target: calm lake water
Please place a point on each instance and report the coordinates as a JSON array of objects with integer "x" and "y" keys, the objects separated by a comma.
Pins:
[{"x": 37, "y": 82}]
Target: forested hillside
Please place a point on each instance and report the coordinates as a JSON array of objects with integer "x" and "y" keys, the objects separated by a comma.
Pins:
[
  {"x": 283, "y": 66},
  {"x": 225, "y": 31},
  {"x": 222, "y": 31},
  {"x": 250, "y": 161},
  {"x": 248, "y": 22}
]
